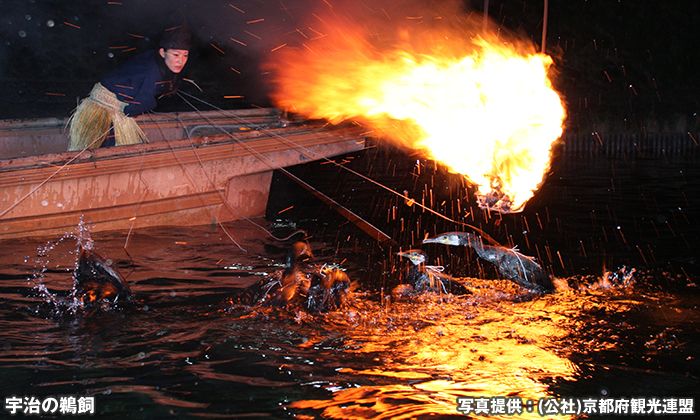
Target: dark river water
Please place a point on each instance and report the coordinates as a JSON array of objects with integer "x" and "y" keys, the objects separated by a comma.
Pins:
[{"x": 620, "y": 234}]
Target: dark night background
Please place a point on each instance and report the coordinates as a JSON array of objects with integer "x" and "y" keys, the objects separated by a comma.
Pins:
[
  {"x": 627, "y": 67},
  {"x": 622, "y": 65}
]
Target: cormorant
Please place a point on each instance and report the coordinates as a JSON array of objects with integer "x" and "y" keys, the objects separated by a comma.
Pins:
[
  {"x": 426, "y": 279},
  {"x": 302, "y": 284},
  {"x": 513, "y": 265},
  {"x": 97, "y": 282}
]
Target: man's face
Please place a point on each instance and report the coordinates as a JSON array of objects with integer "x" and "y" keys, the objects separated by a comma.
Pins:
[{"x": 174, "y": 59}]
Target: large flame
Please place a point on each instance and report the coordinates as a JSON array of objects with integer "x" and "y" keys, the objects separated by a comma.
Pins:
[{"x": 484, "y": 108}]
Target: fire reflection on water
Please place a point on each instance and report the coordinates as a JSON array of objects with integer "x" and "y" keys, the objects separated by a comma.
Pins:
[
  {"x": 431, "y": 351},
  {"x": 185, "y": 348},
  {"x": 501, "y": 343}
]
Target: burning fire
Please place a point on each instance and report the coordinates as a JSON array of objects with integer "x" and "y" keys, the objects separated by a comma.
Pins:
[{"x": 484, "y": 108}]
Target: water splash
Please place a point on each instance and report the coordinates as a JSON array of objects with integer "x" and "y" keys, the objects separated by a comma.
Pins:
[{"x": 51, "y": 262}]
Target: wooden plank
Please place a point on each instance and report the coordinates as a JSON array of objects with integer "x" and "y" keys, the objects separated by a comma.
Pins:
[
  {"x": 118, "y": 215},
  {"x": 146, "y": 156},
  {"x": 159, "y": 183}
]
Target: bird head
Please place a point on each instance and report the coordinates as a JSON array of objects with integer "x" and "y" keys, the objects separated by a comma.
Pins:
[
  {"x": 416, "y": 256},
  {"x": 452, "y": 238},
  {"x": 299, "y": 252}
]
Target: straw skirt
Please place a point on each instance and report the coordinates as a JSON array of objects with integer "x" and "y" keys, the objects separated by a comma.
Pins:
[{"x": 95, "y": 117}]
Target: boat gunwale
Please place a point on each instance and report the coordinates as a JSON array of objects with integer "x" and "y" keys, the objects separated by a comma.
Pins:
[
  {"x": 31, "y": 124},
  {"x": 207, "y": 148}
]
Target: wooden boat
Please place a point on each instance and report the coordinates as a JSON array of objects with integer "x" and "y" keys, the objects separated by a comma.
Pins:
[{"x": 199, "y": 168}]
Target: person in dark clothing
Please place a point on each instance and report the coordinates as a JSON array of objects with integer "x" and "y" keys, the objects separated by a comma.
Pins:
[{"x": 103, "y": 118}]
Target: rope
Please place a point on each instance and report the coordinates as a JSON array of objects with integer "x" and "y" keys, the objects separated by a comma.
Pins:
[
  {"x": 314, "y": 157},
  {"x": 184, "y": 168}
]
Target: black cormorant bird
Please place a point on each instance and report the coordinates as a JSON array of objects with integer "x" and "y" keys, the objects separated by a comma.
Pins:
[
  {"x": 302, "y": 284},
  {"x": 426, "y": 279},
  {"x": 513, "y": 265},
  {"x": 97, "y": 282}
]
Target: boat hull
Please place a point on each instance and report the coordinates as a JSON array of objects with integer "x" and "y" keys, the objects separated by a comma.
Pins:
[{"x": 191, "y": 181}]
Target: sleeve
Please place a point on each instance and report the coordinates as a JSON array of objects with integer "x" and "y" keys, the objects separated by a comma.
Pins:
[
  {"x": 144, "y": 100},
  {"x": 136, "y": 82}
]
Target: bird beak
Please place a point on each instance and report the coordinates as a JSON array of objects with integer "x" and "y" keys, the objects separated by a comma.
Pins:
[{"x": 436, "y": 240}]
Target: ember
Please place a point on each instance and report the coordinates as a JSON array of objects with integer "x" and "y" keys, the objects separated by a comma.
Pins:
[{"x": 482, "y": 106}]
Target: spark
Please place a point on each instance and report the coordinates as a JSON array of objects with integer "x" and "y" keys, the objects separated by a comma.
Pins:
[
  {"x": 598, "y": 137},
  {"x": 301, "y": 33},
  {"x": 320, "y": 35},
  {"x": 619, "y": 228},
  {"x": 255, "y": 21},
  {"x": 280, "y": 47},
  {"x": 642, "y": 254},
  {"x": 316, "y": 16},
  {"x": 286, "y": 10},
  {"x": 527, "y": 241},
  {"x": 240, "y": 42},
  {"x": 235, "y": 70},
  {"x": 561, "y": 261},
  {"x": 651, "y": 253},
  {"x": 686, "y": 274},
  {"x": 55, "y": 94},
  {"x": 252, "y": 34},
  {"x": 233, "y": 96},
  {"x": 655, "y": 229},
  {"x": 236, "y": 8},
  {"x": 288, "y": 208},
  {"x": 683, "y": 214},
  {"x": 70, "y": 24},
  {"x": 217, "y": 48}
]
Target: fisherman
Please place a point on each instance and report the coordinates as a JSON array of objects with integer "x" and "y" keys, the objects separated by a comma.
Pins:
[{"x": 103, "y": 119}]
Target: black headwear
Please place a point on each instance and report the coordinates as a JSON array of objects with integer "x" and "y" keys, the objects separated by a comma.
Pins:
[{"x": 177, "y": 38}]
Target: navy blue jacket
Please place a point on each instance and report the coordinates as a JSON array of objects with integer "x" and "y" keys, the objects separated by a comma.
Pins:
[{"x": 140, "y": 81}]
